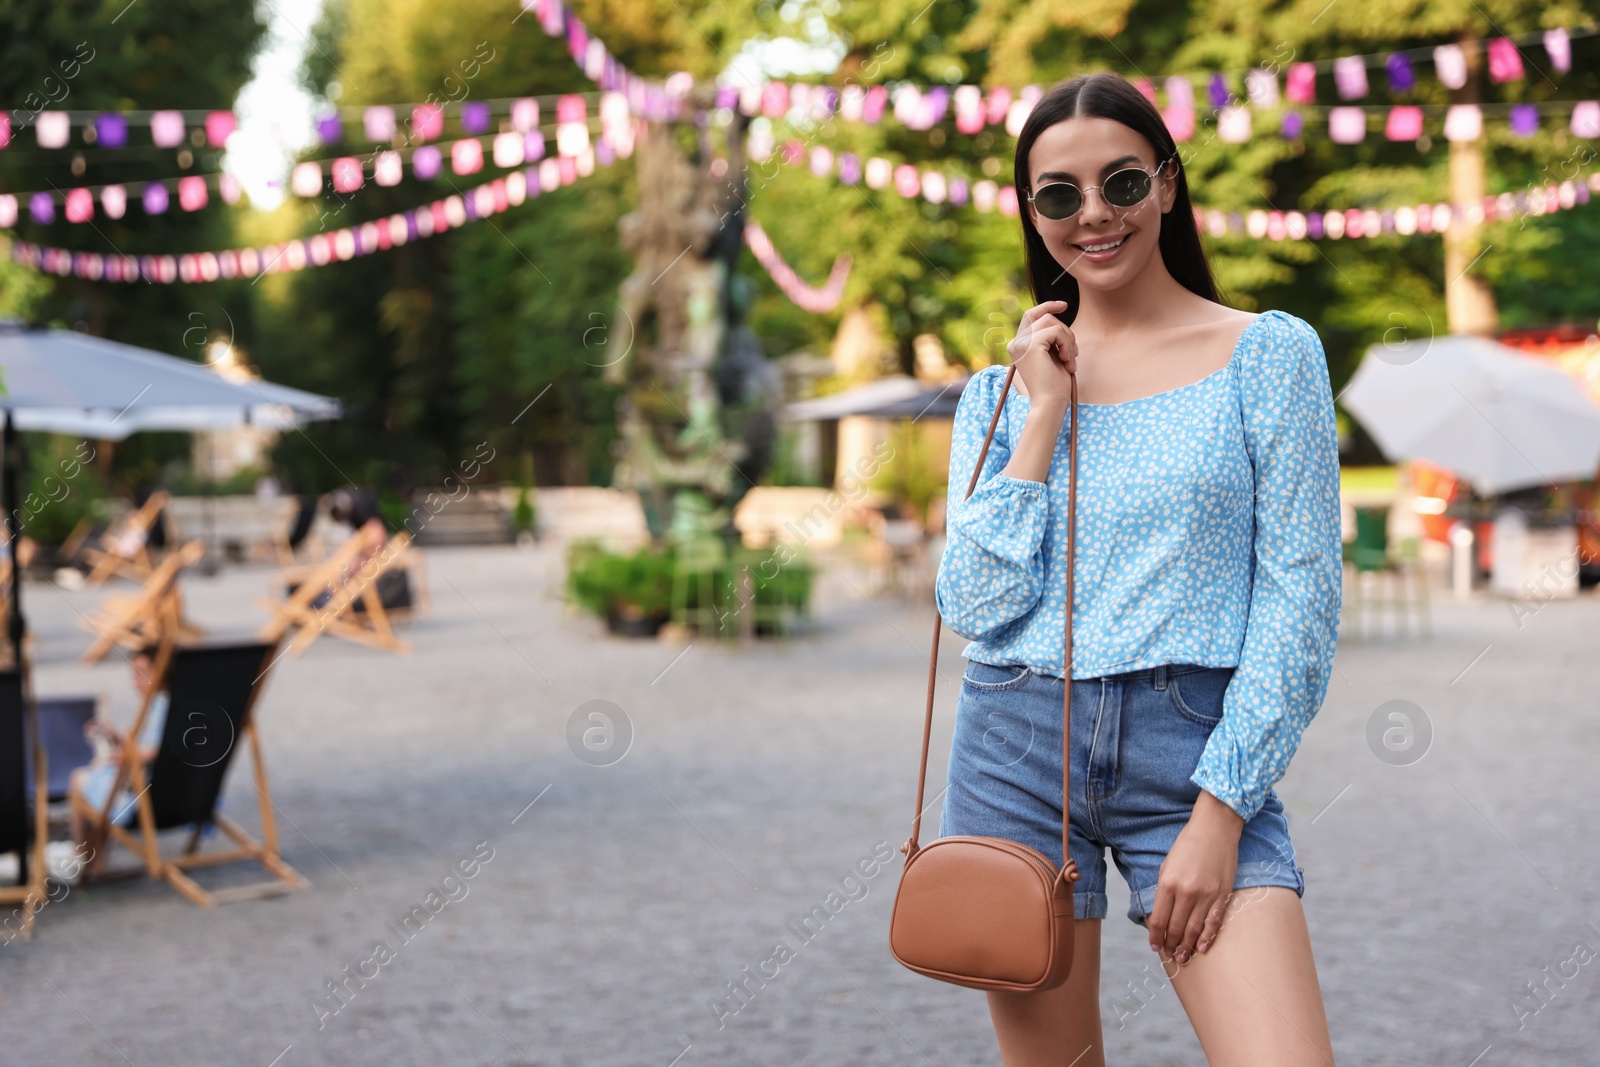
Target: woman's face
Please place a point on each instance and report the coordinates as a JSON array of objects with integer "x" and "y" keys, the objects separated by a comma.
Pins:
[{"x": 1086, "y": 151}]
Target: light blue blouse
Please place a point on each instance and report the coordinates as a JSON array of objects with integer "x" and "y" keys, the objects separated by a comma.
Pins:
[{"x": 1173, "y": 563}]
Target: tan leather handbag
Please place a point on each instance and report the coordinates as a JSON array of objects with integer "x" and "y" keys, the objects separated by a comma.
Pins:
[{"x": 986, "y": 912}]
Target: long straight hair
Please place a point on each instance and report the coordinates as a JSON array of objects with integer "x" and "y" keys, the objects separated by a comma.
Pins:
[{"x": 1108, "y": 95}]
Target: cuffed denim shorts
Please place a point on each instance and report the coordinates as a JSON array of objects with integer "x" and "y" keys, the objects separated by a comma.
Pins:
[{"x": 1136, "y": 739}]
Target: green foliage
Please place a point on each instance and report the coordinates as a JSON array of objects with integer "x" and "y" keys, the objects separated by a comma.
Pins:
[
  {"x": 917, "y": 471},
  {"x": 522, "y": 515},
  {"x": 393, "y": 509},
  {"x": 59, "y": 487},
  {"x": 241, "y": 482},
  {"x": 598, "y": 581}
]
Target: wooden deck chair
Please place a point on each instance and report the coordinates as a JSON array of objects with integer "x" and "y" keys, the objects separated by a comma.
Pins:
[
  {"x": 66, "y": 746},
  {"x": 85, "y": 532},
  {"x": 346, "y": 605},
  {"x": 138, "y": 620},
  {"x": 22, "y": 824},
  {"x": 212, "y": 694},
  {"x": 302, "y": 585},
  {"x": 122, "y": 549}
]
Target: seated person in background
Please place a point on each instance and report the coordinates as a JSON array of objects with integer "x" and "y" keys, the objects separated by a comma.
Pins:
[
  {"x": 94, "y": 782},
  {"x": 356, "y": 509}
]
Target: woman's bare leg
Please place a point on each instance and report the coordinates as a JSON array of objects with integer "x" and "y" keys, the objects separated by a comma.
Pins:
[
  {"x": 1253, "y": 997},
  {"x": 1059, "y": 1027}
]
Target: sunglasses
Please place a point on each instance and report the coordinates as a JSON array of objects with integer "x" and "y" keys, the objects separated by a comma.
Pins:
[{"x": 1125, "y": 188}]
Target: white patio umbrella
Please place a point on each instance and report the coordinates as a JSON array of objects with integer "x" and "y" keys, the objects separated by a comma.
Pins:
[
  {"x": 1497, "y": 418},
  {"x": 67, "y": 382},
  {"x": 62, "y": 381}
]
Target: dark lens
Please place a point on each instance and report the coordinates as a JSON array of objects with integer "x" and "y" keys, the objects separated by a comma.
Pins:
[
  {"x": 1126, "y": 188},
  {"x": 1060, "y": 200}
]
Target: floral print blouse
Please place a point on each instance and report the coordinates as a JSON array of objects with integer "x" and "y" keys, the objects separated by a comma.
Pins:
[{"x": 1207, "y": 533}]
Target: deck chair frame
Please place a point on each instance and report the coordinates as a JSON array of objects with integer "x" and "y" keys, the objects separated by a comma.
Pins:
[
  {"x": 139, "y": 619},
  {"x": 144, "y": 839},
  {"x": 21, "y": 738},
  {"x": 373, "y": 626},
  {"x": 111, "y": 559}
]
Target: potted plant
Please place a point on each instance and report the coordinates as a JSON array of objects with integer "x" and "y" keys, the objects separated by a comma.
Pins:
[{"x": 632, "y": 592}]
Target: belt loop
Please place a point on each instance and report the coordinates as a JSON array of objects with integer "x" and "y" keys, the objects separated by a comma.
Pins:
[{"x": 1161, "y": 676}]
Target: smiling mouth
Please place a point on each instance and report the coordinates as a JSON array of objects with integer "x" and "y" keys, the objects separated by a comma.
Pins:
[{"x": 1104, "y": 246}]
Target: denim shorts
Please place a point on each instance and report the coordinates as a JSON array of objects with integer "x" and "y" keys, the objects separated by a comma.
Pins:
[{"x": 1136, "y": 739}]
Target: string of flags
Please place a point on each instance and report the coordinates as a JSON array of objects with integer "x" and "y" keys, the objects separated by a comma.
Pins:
[
  {"x": 915, "y": 106},
  {"x": 974, "y": 108},
  {"x": 340, "y": 245},
  {"x": 657, "y": 102},
  {"x": 987, "y": 195},
  {"x": 318, "y": 250},
  {"x": 817, "y": 300},
  {"x": 312, "y": 178}
]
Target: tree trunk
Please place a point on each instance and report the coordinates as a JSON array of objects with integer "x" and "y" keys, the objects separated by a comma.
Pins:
[{"x": 1469, "y": 301}]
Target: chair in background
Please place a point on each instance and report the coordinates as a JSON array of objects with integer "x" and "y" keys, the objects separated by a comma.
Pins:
[
  {"x": 122, "y": 550},
  {"x": 327, "y": 598},
  {"x": 899, "y": 550},
  {"x": 66, "y": 747},
  {"x": 212, "y": 696},
  {"x": 1396, "y": 570},
  {"x": 22, "y": 809},
  {"x": 132, "y": 621}
]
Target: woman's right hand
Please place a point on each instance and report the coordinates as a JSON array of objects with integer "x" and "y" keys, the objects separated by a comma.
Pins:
[{"x": 1045, "y": 352}]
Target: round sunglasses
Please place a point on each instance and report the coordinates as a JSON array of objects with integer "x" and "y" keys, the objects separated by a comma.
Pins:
[{"x": 1125, "y": 188}]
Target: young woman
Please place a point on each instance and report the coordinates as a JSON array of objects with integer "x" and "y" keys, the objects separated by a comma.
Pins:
[{"x": 1206, "y": 600}]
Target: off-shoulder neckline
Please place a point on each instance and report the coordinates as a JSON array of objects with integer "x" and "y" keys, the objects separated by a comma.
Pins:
[{"x": 1233, "y": 358}]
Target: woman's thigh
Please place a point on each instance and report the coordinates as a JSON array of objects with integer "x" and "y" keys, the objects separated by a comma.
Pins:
[
  {"x": 1253, "y": 996},
  {"x": 1061, "y": 1025}
]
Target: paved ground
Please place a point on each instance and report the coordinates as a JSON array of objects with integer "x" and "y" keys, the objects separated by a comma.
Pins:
[{"x": 615, "y": 909}]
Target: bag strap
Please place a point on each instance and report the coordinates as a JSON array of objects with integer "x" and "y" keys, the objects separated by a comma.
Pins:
[{"x": 911, "y": 846}]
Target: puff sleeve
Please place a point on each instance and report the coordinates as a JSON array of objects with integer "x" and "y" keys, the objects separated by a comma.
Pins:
[
  {"x": 991, "y": 572},
  {"x": 1286, "y": 658}
]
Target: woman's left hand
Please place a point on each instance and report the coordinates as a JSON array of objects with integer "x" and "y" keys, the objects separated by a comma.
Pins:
[{"x": 1195, "y": 880}]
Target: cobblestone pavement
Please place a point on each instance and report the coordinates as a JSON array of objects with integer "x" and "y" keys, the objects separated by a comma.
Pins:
[{"x": 617, "y": 902}]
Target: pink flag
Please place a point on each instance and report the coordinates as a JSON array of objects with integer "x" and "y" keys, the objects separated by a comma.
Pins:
[
  {"x": 1301, "y": 84},
  {"x": 80, "y": 205},
  {"x": 1559, "y": 47},
  {"x": 1505, "y": 62},
  {"x": 166, "y": 129},
  {"x": 1586, "y": 118},
  {"x": 347, "y": 175},
  {"x": 1350, "y": 76},
  {"x": 466, "y": 157},
  {"x": 378, "y": 123},
  {"x": 1405, "y": 123},
  {"x": 427, "y": 121},
  {"x": 192, "y": 193},
  {"x": 219, "y": 125}
]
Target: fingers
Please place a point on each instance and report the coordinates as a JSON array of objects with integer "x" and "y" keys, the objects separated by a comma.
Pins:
[
  {"x": 1051, "y": 336},
  {"x": 1160, "y": 915},
  {"x": 1048, "y": 307},
  {"x": 1213, "y": 925}
]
